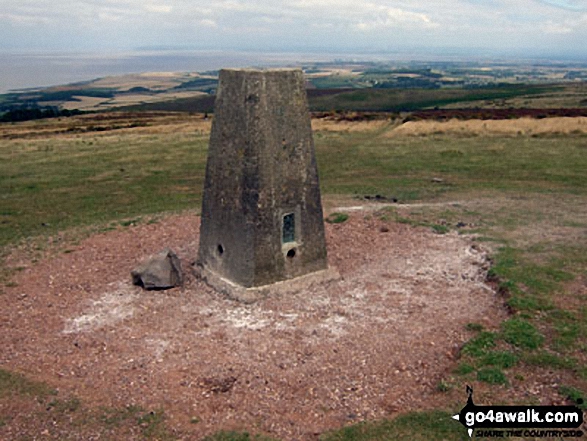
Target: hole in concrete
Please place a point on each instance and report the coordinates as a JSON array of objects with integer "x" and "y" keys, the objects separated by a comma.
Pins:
[
  {"x": 291, "y": 253},
  {"x": 220, "y": 249}
]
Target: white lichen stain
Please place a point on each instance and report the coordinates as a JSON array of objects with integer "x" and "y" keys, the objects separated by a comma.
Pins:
[{"x": 114, "y": 306}]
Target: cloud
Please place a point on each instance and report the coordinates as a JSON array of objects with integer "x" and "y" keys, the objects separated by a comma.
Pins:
[
  {"x": 396, "y": 18},
  {"x": 336, "y": 24},
  {"x": 569, "y": 5},
  {"x": 23, "y": 19},
  {"x": 158, "y": 8},
  {"x": 557, "y": 28},
  {"x": 208, "y": 23},
  {"x": 576, "y": 24},
  {"x": 107, "y": 16}
]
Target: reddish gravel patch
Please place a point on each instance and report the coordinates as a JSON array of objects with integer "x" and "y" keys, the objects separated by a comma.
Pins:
[{"x": 372, "y": 344}]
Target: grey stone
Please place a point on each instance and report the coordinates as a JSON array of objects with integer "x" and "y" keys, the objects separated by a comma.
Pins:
[
  {"x": 161, "y": 271},
  {"x": 262, "y": 220}
]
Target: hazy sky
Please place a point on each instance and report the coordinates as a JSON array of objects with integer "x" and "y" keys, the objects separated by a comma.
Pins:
[{"x": 505, "y": 26}]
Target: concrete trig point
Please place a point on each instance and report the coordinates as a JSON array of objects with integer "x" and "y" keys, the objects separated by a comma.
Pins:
[{"x": 262, "y": 226}]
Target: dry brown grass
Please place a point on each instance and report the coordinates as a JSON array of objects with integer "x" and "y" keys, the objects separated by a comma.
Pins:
[
  {"x": 522, "y": 126},
  {"x": 170, "y": 122},
  {"x": 328, "y": 125},
  {"x": 107, "y": 124}
]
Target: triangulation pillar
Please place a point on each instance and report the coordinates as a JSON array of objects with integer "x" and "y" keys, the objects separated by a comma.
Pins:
[{"x": 262, "y": 222}]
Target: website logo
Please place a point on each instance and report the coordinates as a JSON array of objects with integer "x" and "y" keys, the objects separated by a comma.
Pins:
[{"x": 547, "y": 421}]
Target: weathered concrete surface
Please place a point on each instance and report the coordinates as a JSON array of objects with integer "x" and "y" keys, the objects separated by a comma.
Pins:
[
  {"x": 161, "y": 271},
  {"x": 261, "y": 169}
]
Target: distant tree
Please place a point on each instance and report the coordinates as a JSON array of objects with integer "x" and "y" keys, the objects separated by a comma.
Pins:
[{"x": 18, "y": 114}]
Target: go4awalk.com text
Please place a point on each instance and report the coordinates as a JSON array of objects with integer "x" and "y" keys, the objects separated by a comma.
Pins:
[{"x": 520, "y": 421}]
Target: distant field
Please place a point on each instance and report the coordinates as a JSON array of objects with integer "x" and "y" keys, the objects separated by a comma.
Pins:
[
  {"x": 395, "y": 100},
  {"x": 116, "y": 91},
  {"x": 383, "y": 100},
  {"x": 568, "y": 95},
  {"x": 338, "y": 86},
  {"x": 157, "y": 81}
]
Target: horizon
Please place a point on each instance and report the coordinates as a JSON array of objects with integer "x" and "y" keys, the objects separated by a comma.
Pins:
[{"x": 33, "y": 69}]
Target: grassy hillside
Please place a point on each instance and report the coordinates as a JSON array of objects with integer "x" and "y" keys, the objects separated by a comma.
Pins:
[
  {"x": 52, "y": 182},
  {"x": 393, "y": 100},
  {"x": 523, "y": 195},
  {"x": 378, "y": 100}
]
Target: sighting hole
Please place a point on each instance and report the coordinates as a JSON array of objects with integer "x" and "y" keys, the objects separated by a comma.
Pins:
[
  {"x": 220, "y": 250},
  {"x": 291, "y": 253},
  {"x": 288, "y": 228}
]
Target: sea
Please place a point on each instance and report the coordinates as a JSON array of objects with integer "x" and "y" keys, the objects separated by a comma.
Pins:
[{"x": 21, "y": 71}]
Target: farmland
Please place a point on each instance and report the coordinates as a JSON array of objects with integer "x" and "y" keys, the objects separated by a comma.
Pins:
[{"x": 340, "y": 85}]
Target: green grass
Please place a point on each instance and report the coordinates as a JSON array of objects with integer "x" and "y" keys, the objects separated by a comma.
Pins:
[
  {"x": 236, "y": 436},
  {"x": 75, "y": 183},
  {"x": 114, "y": 417},
  {"x": 404, "y": 167},
  {"x": 56, "y": 183},
  {"x": 499, "y": 359},
  {"x": 521, "y": 333},
  {"x": 152, "y": 425},
  {"x": 433, "y": 425},
  {"x": 16, "y": 384},
  {"x": 464, "y": 369},
  {"x": 475, "y": 327},
  {"x": 539, "y": 280},
  {"x": 64, "y": 406},
  {"x": 440, "y": 229},
  {"x": 549, "y": 360},
  {"x": 492, "y": 375},
  {"x": 480, "y": 344},
  {"x": 337, "y": 218},
  {"x": 575, "y": 395}
]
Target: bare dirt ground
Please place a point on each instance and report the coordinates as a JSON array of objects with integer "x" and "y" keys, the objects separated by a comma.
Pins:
[{"x": 368, "y": 346}]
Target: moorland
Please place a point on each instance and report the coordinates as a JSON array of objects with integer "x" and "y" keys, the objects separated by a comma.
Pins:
[{"x": 498, "y": 158}]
